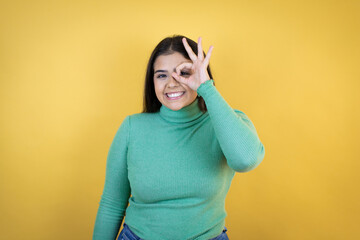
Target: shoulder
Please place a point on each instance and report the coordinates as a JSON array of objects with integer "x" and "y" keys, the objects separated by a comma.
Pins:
[
  {"x": 245, "y": 118},
  {"x": 137, "y": 119},
  {"x": 240, "y": 113},
  {"x": 141, "y": 116}
]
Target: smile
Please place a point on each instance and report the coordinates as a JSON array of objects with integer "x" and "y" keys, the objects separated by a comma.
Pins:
[{"x": 174, "y": 96}]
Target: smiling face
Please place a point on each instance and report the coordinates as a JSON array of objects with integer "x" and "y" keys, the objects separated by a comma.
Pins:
[{"x": 169, "y": 91}]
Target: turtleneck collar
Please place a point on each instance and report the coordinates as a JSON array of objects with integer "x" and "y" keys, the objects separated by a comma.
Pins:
[{"x": 186, "y": 114}]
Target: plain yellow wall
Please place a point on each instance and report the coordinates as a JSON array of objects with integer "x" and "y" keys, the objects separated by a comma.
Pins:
[{"x": 72, "y": 70}]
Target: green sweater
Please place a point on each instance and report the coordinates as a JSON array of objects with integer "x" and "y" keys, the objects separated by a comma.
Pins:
[{"x": 178, "y": 167}]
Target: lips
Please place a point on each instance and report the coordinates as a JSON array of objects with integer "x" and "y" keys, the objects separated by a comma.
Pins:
[
  {"x": 174, "y": 92},
  {"x": 174, "y": 95}
]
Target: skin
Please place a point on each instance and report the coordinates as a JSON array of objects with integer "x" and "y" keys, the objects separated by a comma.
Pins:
[{"x": 178, "y": 74}]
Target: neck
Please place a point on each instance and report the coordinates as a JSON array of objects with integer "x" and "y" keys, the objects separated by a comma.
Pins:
[{"x": 188, "y": 113}]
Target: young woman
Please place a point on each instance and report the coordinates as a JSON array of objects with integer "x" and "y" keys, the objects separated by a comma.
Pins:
[{"x": 174, "y": 162}]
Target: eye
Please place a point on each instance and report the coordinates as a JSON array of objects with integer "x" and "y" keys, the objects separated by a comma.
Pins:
[
  {"x": 161, "y": 76},
  {"x": 184, "y": 73}
]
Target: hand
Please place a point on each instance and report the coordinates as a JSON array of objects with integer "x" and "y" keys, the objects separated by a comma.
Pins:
[{"x": 199, "y": 73}]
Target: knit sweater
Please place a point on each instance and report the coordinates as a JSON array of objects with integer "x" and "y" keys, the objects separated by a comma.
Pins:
[{"x": 174, "y": 169}]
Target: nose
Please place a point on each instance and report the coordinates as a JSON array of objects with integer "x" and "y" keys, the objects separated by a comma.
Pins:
[{"x": 173, "y": 81}]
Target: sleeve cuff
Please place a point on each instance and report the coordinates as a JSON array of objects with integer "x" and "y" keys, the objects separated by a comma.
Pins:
[{"x": 204, "y": 87}]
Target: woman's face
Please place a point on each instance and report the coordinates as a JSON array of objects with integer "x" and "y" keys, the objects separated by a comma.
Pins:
[{"x": 165, "y": 84}]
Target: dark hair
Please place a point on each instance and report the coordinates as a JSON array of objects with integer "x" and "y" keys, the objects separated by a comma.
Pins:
[{"x": 167, "y": 46}]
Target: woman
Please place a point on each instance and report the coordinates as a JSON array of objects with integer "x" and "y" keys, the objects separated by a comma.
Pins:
[{"x": 178, "y": 157}]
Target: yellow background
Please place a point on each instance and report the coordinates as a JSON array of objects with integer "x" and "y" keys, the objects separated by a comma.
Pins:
[{"x": 72, "y": 70}]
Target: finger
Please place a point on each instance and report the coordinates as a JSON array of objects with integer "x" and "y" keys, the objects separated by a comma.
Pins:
[
  {"x": 189, "y": 50},
  {"x": 208, "y": 55},
  {"x": 179, "y": 78},
  {"x": 183, "y": 66},
  {"x": 200, "y": 51}
]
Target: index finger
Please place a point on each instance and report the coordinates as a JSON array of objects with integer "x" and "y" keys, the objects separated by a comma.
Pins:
[
  {"x": 189, "y": 50},
  {"x": 185, "y": 65}
]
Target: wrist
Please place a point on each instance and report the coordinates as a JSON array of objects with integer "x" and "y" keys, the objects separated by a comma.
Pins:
[{"x": 208, "y": 83}]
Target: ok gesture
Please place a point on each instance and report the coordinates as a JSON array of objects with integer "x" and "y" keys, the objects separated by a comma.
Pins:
[{"x": 198, "y": 67}]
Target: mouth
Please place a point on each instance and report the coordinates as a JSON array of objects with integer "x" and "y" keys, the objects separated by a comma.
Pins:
[{"x": 174, "y": 96}]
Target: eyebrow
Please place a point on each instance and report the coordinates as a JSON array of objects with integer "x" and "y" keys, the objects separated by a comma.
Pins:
[
  {"x": 166, "y": 71},
  {"x": 163, "y": 70}
]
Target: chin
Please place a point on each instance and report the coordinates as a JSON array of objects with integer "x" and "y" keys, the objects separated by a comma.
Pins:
[{"x": 175, "y": 108}]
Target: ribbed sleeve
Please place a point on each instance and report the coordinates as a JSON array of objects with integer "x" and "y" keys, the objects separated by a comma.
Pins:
[
  {"x": 116, "y": 192},
  {"x": 235, "y": 132}
]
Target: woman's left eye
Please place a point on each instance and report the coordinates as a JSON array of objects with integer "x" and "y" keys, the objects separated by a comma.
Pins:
[{"x": 184, "y": 73}]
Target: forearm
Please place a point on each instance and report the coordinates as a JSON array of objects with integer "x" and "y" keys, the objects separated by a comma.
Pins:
[
  {"x": 108, "y": 219},
  {"x": 236, "y": 134}
]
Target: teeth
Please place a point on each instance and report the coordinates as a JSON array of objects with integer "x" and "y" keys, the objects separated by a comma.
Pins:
[{"x": 175, "y": 94}]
